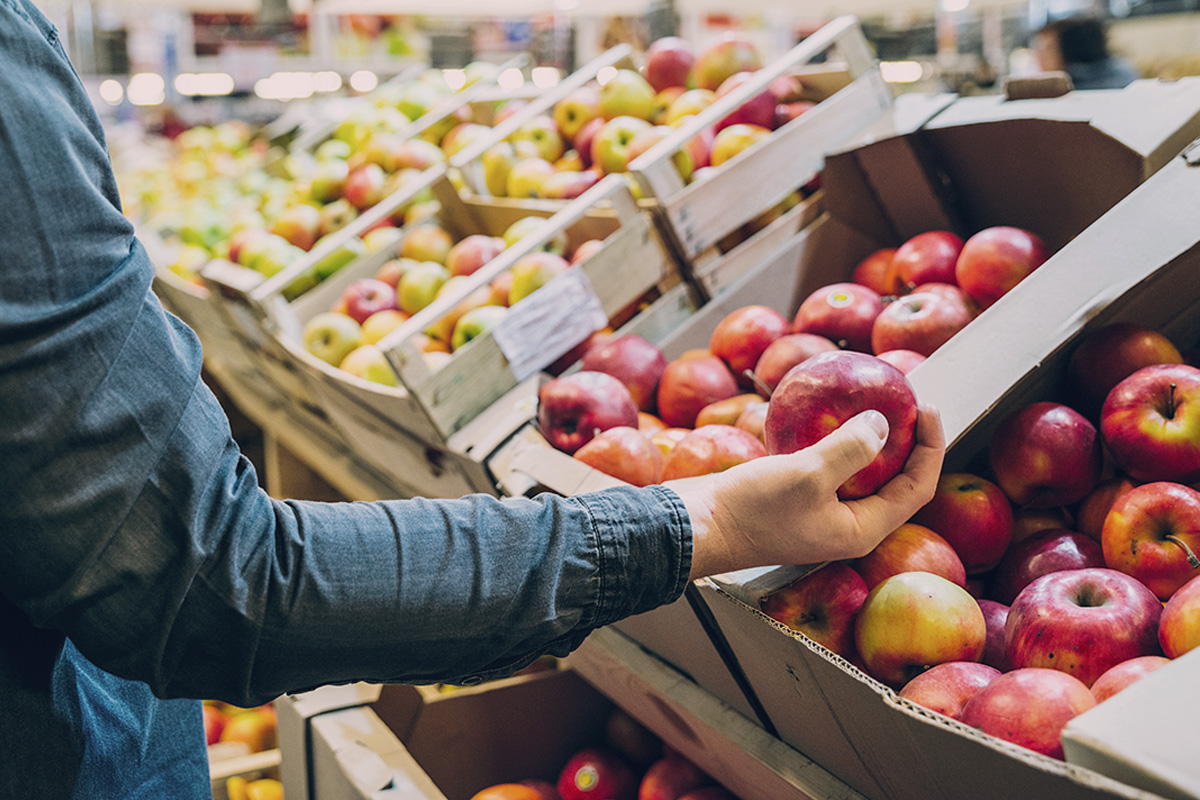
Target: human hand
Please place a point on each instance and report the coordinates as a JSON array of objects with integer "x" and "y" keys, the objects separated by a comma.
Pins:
[{"x": 784, "y": 509}]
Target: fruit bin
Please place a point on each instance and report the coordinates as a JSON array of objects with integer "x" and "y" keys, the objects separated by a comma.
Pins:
[{"x": 1138, "y": 263}]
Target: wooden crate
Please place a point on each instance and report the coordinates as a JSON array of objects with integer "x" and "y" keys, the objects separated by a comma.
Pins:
[{"x": 850, "y": 94}]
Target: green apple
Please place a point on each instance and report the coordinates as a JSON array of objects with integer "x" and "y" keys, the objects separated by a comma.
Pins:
[
  {"x": 420, "y": 284},
  {"x": 331, "y": 336},
  {"x": 610, "y": 148},
  {"x": 417, "y": 98},
  {"x": 369, "y": 363},
  {"x": 652, "y": 136},
  {"x": 337, "y": 215},
  {"x": 427, "y": 242},
  {"x": 443, "y": 329},
  {"x": 557, "y": 243},
  {"x": 693, "y": 101},
  {"x": 532, "y": 272},
  {"x": 497, "y": 163},
  {"x": 542, "y": 133},
  {"x": 663, "y": 101},
  {"x": 573, "y": 111},
  {"x": 332, "y": 149},
  {"x": 476, "y": 322},
  {"x": 734, "y": 139},
  {"x": 381, "y": 238},
  {"x": 627, "y": 94},
  {"x": 526, "y": 177},
  {"x": 380, "y": 324},
  {"x": 732, "y": 54},
  {"x": 350, "y": 250}
]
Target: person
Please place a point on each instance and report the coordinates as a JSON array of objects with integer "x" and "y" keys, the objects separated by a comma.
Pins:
[
  {"x": 1078, "y": 46},
  {"x": 142, "y": 567}
]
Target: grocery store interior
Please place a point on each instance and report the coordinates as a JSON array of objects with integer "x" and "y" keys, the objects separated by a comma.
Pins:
[{"x": 434, "y": 249}]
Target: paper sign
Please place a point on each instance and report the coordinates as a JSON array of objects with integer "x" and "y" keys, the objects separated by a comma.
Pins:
[{"x": 549, "y": 322}]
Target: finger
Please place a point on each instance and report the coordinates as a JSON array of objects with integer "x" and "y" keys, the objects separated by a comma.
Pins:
[{"x": 850, "y": 447}]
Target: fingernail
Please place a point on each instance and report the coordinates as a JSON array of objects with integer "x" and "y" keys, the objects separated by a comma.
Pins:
[{"x": 877, "y": 421}]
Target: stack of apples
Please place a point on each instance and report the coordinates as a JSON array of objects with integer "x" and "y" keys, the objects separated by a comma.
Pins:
[
  {"x": 599, "y": 129},
  {"x": 628, "y": 764},
  {"x": 431, "y": 263},
  {"x": 1015, "y": 601},
  {"x": 233, "y": 731}
]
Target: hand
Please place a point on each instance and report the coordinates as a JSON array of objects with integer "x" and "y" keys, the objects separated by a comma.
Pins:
[{"x": 784, "y": 509}]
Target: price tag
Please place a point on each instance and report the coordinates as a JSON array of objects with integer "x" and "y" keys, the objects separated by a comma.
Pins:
[{"x": 549, "y": 322}]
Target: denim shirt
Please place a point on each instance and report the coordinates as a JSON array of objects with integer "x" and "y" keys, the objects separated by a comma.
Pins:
[{"x": 141, "y": 564}]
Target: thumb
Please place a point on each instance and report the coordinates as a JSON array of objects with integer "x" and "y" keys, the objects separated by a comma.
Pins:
[{"x": 853, "y": 445}]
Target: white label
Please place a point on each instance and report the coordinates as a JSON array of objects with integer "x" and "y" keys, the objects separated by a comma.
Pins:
[{"x": 549, "y": 322}]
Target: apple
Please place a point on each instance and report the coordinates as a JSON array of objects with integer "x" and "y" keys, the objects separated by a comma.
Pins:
[
  {"x": 1046, "y": 454},
  {"x": 390, "y": 271},
  {"x": 995, "y": 260},
  {"x": 731, "y": 54},
  {"x": 462, "y": 136},
  {"x": 337, "y": 215},
  {"x": 596, "y": 774},
  {"x": 525, "y": 226},
  {"x": 331, "y": 336},
  {"x": 1054, "y": 550},
  {"x": 626, "y": 94},
  {"x": 753, "y": 420},
  {"x": 427, "y": 242},
  {"x": 668, "y": 62},
  {"x": 920, "y": 322},
  {"x": 497, "y": 163},
  {"x": 1179, "y": 628},
  {"x": 578, "y": 108},
  {"x": 711, "y": 449},
  {"x": 946, "y": 688},
  {"x": 876, "y": 273},
  {"x": 731, "y": 141},
  {"x": 1029, "y": 707},
  {"x": 910, "y": 548},
  {"x": 688, "y": 385},
  {"x": 759, "y": 110},
  {"x": 367, "y": 296},
  {"x": 820, "y": 394},
  {"x": 1082, "y": 622},
  {"x": 1153, "y": 534},
  {"x": 574, "y": 408},
  {"x": 443, "y": 329},
  {"x": 369, "y": 363},
  {"x": 841, "y": 312},
  {"x": 509, "y": 791},
  {"x": 786, "y": 352},
  {"x": 643, "y": 141},
  {"x": 1094, "y": 508},
  {"x": 474, "y": 323},
  {"x": 299, "y": 225},
  {"x": 420, "y": 284},
  {"x": 688, "y": 104},
  {"x": 634, "y": 361},
  {"x": 214, "y": 723},
  {"x": 364, "y": 186},
  {"x": 727, "y": 411},
  {"x": 569, "y": 184},
  {"x": 632, "y": 740},
  {"x": 413, "y": 154},
  {"x": 666, "y": 439},
  {"x": 1151, "y": 423},
  {"x": 382, "y": 236},
  {"x": 1105, "y": 358},
  {"x": 662, "y": 103},
  {"x": 584, "y": 138},
  {"x": 1028, "y": 521},
  {"x": 624, "y": 453},
  {"x": 743, "y": 335},
  {"x": 914, "y": 621},
  {"x": 928, "y": 257},
  {"x": 527, "y": 177},
  {"x": 1121, "y": 675},
  {"x": 973, "y": 515},
  {"x": 533, "y": 271},
  {"x": 822, "y": 605},
  {"x": 380, "y": 324},
  {"x": 995, "y": 649},
  {"x": 254, "y": 726},
  {"x": 950, "y": 292},
  {"x": 542, "y": 132},
  {"x": 610, "y": 145},
  {"x": 786, "y": 112},
  {"x": 903, "y": 360},
  {"x": 328, "y": 180},
  {"x": 472, "y": 252},
  {"x": 648, "y": 424},
  {"x": 670, "y": 778}
]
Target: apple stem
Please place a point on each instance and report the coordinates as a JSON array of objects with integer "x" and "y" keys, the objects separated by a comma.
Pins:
[
  {"x": 763, "y": 389},
  {"x": 1171, "y": 411},
  {"x": 1193, "y": 562}
]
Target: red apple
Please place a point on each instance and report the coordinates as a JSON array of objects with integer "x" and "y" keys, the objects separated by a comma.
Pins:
[
  {"x": 1110, "y": 355},
  {"x": 950, "y": 292},
  {"x": 1082, "y": 622},
  {"x": 214, "y": 722},
  {"x": 1094, "y": 508},
  {"x": 1151, "y": 423},
  {"x": 727, "y": 411},
  {"x": 1153, "y": 534},
  {"x": 973, "y": 515},
  {"x": 786, "y": 112},
  {"x": 670, "y": 778},
  {"x": 713, "y": 448},
  {"x": 822, "y": 605},
  {"x": 875, "y": 272},
  {"x": 786, "y": 352},
  {"x": 509, "y": 791},
  {"x": 596, "y": 774},
  {"x": 1029, "y": 707},
  {"x": 1179, "y": 628},
  {"x": 366, "y": 296},
  {"x": 1028, "y": 521},
  {"x": 758, "y": 110},
  {"x": 731, "y": 141},
  {"x": 927, "y": 258},
  {"x": 910, "y": 548},
  {"x": 584, "y": 138},
  {"x": 472, "y": 252},
  {"x": 632, "y": 740},
  {"x": 995, "y": 260},
  {"x": 946, "y": 688},
  {"x": 595, "y": 340},
  {"x": 574, "y": 408},
  {"x": 632, "y": 360},
  {"x": 914, "y": 621},
  {"x": 1047, "y": 551},
  {"x": 920, "y": 322},
  {"x": 1046, "y": 455},
  {"x": 625, "y": 454},
  {"x": 842, "y": 312},
  {"x": 754, "y": 420},
  {"x": 364, "y": 186},
  {"x": 668, "y": 62},
  {"x": 586, "y": 250},
  {"x": 1120, "y": 676},
  {"x": 688, "y": 385},
  {"x": 995, "y": 649},
  {"x": 743, "y": 336},
  {"x": 819, "y": 395},
  {"x": 732, "y": 54},
  {"x": 903, "y": 360}
]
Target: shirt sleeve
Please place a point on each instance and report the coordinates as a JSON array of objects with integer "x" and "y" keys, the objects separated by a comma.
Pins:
[{"x": 131, "y": 522}]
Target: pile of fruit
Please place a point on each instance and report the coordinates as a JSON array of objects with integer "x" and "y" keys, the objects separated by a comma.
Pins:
[
  {"x": 431, "y": 264},
  {"x": 598, "y": 129},
  {"x": 629, "y": 765},
  {"x": 234, "y": 731}
]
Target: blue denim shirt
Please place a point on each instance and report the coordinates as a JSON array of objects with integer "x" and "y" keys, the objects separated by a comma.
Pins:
[{"x": 139, "y": 560}]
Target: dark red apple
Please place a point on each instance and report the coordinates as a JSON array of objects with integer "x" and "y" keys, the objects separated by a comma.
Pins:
[
  {"x": 1044, "y": 552},
  {"x": 668, "y": 62},
  {"x": 921, "y": 322},
  {"x": 632, "y": 360},
  {"x": 1028, "y": 521},
  {"x": 670, "y": 778},
  {"x": 928, "y": 257},
  {"x": 786, "y": 352},
  {"x": 816, "y": 397},
  {"x": 822, "y": 605},
  {"x": 995, "y": 260},
  {"x": 1029, "y": 707},
  {"x": 995, "y": 649},
  {"x": 947, "y": 688},
  {"x": 758, "y": 110},
  {"x": 973, "y": 515},
  {"x": 910, "y": 548},
  {"x": 688, "y": 385},
  {"x": 841, "y": 312},
  {"x": 1046, "y": 454},
  {"x": 1110, "y": 355},
  {"x": 574, "y": 408},
  {"x": 596, "y": 774},
  {"x": 1151, "y": 423}
]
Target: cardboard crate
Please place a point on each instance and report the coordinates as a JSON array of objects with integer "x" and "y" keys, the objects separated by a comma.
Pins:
[{"x": 1140, "y": 262}]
